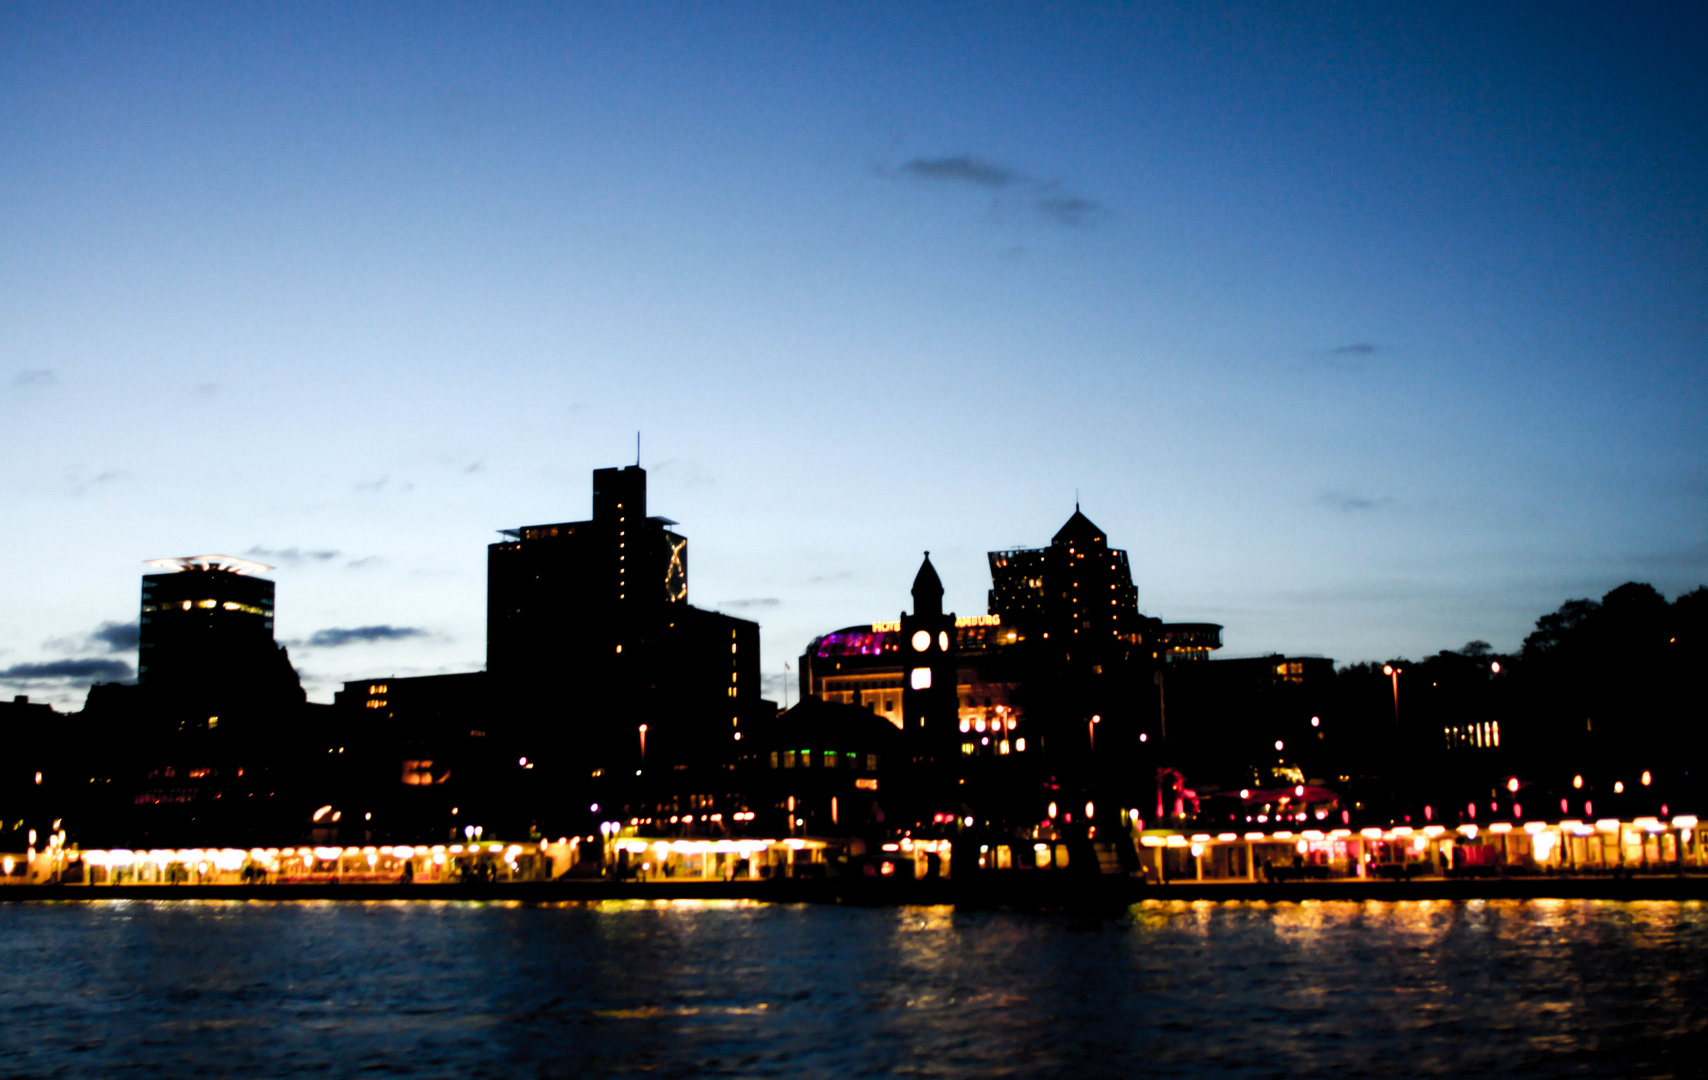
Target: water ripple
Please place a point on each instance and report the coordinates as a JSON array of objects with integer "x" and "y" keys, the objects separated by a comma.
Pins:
[{"x": 1532, "y": 989}]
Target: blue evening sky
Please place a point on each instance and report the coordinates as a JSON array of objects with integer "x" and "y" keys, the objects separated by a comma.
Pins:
[{"x": 1367, "y": 329}]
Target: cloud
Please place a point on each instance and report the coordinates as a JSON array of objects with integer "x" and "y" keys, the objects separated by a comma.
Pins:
[
  {"x": 207, "y": 389},
  {"x": 333, "y": 637},
  {"x": 1348, "y": 358},
  {"x": 36, "y": 377},
  {"x": 1350, "y": 503},
  {"x": 292, "y": 556},
  {"x": 109, "y": 637},
  {"x": 382, "y": 484},
  {"x": 1059, "y": 206},
  {"x": 1069, "y": 209},
  {"x": 117, "y": 637},
  {"x": 962, "y": 169},
  {"x": 1690, "y": 557},
  {"x": 363, "y": 563},
  {"x": 80, "y": 484},
  {"x": 840, "y": 575},
  {"x": 757, "y": 601},
  {"x": 67, "y": 670}
]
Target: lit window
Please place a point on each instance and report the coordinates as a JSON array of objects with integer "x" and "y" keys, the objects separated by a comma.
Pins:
[{"x": 920, "y": 678}]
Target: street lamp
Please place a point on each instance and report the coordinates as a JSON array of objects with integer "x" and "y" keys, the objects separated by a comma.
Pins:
[{"x": 1393, "y": 674}]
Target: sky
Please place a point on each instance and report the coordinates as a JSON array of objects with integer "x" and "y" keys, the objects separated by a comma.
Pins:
[{"x": 1367, "y": 330}]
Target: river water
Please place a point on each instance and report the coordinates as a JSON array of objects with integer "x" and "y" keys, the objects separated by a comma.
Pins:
[{"x": 1523, "y": 989}]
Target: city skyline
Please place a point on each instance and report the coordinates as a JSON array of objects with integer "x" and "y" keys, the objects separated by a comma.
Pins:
[{"x": 1365, "y": 334}]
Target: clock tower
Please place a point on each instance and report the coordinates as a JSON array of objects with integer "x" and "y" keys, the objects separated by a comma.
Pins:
[{"x": 929, "y": 701}]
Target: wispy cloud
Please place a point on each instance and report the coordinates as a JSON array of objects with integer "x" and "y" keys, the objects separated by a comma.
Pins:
[
  {"x": 363, "y": 563},
  {"x": 1350, "y": 502},
  {"x": 109, "y": 637},
  {"x": 753, "y": 602},
  {"x": 117, "y": 637},
  {"x": 1693, "y": 556},
  {"x": 384, "y": 484},
  {"x": 840, "y": 575},
  {"x": 961, "y": 168},
  {"x": 81, "y": 483},
  {"x": 207, "y": 389},
  {"x": 1350, "y": 357},
  {"x": 1070, "y": 209},
  {"x": 336, "y": 636},
  {"x": 1048, "y": 198},
  {"x": 292, "y": 556},
  {"x": 34, "y": 377},
  {"x": 81, "y": 669}
]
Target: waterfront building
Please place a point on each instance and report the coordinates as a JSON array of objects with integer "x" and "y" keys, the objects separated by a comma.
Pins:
[
  {"x": 1079, "y": 588},
  {"x": 215, "y": 742},
  {"x": 33, "y": 772},
  {"x": 1026, "y": 719},
  {"x": 821, "y": 769},
  {"x": 613, "y": 682}
]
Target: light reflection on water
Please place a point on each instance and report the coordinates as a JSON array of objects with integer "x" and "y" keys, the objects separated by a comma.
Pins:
[{"x": 1540, "y": 988}]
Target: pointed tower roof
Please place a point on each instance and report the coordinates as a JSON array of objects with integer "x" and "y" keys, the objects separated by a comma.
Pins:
[
  {"x": 1079, "y": 528},
  {"x": 927, "y": 589}
]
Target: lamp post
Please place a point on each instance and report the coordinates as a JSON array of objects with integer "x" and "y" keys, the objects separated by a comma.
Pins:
[{"x": 1393, "y": 674}]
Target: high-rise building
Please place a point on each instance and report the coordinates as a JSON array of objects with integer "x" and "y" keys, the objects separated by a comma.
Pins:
[
  {"x": 609, "y": 674},
  {"x": 1079, "y": 590},
  {"x": 552, "y": 590},
  {"x": 213, "y": 743},
  {"x": 206, "y": 627}
]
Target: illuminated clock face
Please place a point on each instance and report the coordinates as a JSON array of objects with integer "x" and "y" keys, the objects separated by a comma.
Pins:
[
  {"x": 920, "y": 677},
  {"x": 921, "y": 640},
  {"x": 943, "y": 640}
]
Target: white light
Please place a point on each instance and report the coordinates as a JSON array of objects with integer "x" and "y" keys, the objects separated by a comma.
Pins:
[{"x": 920, "y": 678}]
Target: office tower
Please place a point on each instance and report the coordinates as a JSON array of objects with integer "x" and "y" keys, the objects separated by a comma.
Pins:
[
  {"x": 553, "y": 591},
  {"x": 206, "y": 636},
  {"x": 1079, "y": 590},
  {"x": 607, "y": 673}
]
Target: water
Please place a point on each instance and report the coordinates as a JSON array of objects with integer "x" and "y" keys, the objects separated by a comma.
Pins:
[{"x": 1531, "y": 989}]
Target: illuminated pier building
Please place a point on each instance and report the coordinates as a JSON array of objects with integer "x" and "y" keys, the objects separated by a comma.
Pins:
[
  {"x": 1032, "y": 715},
  {"x": 825, "y": 769}
]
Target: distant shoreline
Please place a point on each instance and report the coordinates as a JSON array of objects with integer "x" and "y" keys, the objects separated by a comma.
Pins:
[{"x": 1028, "y": 893}]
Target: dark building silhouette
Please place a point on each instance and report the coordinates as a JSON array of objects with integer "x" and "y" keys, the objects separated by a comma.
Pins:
[
  {"x": 604, "y": 687},
  {"x": 426, "y": 757},
  {"x": 1042, "y": 719},
  {"x": 555, "y": 591},
  {"x": 825, "y": 769},
  {"x": 606, "y": 694},
  {"x": 930, "y": 705},
  {"x": 1079, "y": 589},
  {"x": 215, "y": 742},
  {"x": 34, "y": 774}
]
